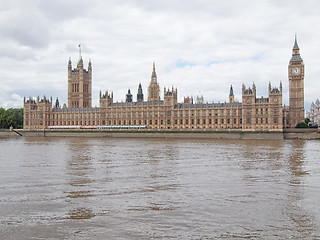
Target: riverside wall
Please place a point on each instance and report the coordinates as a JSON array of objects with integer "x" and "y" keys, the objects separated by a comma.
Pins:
[
  {"x": 229, "y": 134},
  {"x": 302, "y": 133},
  {"x": 305, "y": 134},
  {"x": 4, "y": 133}
]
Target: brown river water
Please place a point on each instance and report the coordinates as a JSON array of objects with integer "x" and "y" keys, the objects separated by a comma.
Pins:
[{"x": 99, "y": 188}]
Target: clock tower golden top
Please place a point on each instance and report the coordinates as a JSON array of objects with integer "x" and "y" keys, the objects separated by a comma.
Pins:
[{"x": 296, "y": 52}]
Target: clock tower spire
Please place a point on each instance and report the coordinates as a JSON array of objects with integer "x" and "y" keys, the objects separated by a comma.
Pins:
[{"x": 296, "y": 86}]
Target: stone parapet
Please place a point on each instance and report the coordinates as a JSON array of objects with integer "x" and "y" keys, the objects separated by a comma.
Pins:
[{"x": 191, "y": 134}]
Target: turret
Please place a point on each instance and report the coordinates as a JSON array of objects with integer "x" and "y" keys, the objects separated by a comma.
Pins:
[
  {"x": 248, "y": 95},
  {"x": 89, "y": 66},
  {"x": 69, "y": 64},
  {"x": 231, "y": 96},
  {"x": 129, "y": 97},
  {"x": 269, "y": 87},
  {"x": 140, "y": 94},
  {"x": 254, "y": 89},
  {"x": 57, "y": 103},
  {"x": 80, "y": 63},
  {"x": 170, "y": 97},
  {"x": 199, "y": 99},
  {"x": 188, "y": 100},
  {"x": 105, "y": 99}
]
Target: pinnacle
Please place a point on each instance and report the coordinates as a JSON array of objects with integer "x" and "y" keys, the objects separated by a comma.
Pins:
[{"x": 295, "y": 47}]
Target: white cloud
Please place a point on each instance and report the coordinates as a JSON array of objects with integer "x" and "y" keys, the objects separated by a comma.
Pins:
[
  {"x": 14, "y": 101},
  {"x": 224, "y": 43}
]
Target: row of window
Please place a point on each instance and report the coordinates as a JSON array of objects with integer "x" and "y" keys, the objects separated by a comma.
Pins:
[
  {"x": 202, "y": 112},
  {"x": 32, "y": 107},
  {"x": 168, "y": 113},
  {"x": 156, "y": 122},
  {"x": 150, "y": 122},
  {"x": 75, "y": 88},
  {"x": 192, "y": 121},
  {"x": 135, "y": 114},
  {"x": 262, "y": 111},
  {"x": 75, "y": 104},
  {"x": 262, "y": 120}
]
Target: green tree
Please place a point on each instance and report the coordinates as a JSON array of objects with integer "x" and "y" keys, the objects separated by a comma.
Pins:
[
  {"x": 307, "y": 120},
  {"x": 302, "y": 125},
  {"x": 11, "y": 117},
  {"x": 2, "y": 117}
]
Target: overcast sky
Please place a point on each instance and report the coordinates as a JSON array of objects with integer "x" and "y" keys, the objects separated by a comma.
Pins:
[{"x": 201, "y": 47}]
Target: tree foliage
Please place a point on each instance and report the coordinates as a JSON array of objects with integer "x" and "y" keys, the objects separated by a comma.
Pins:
[
  {"x": 11, "y": 117},
  {"x": 307, "y": 120},
  {"x": 302, "y": 125}
]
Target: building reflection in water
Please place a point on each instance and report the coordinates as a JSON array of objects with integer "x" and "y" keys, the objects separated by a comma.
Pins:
[
  {"x": 297, "y": 161},
  {"x": 79, "y": 172},
  {"x": 80, "y": 213},
  {"x": 278, "y": 167},
  {"x": 300, "y": 217},
  {"x": 259, "y": 159},
  {"x": 158, "y": 179}
]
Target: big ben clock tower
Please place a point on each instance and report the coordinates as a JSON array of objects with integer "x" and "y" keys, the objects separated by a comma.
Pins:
[{"x": 296, "y": 87}]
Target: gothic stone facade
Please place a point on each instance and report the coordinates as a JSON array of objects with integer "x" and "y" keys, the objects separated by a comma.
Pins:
[
  {"x": 252, "y": 114},
  {"x": 314, "y": 113}
]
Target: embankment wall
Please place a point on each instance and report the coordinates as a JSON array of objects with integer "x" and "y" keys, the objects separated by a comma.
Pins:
[
  {"x": 299, "y": 133},
  {"x": 6, "y": 133},
  {"x": 154, "y": 134},
  {"x": 306, "y": 134}
]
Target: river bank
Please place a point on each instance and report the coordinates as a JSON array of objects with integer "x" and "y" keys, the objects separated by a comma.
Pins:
[
  {"x": 5, "y": 133},
  {"x": 306, "y": 134},
  {"x": 302, "y": 133}
]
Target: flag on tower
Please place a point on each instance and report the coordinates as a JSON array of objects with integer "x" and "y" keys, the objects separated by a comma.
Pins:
[{"x": 79, "y": 51}]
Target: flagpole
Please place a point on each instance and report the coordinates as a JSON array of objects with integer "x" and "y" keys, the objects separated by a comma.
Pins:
[{"x": 79, "y": 51}]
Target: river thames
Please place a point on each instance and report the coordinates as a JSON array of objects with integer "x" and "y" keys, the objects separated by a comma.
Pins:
[{"x": 99, "y": 188}]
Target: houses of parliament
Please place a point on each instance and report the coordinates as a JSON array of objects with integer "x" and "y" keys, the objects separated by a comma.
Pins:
[{"x": 252, "y": 114}]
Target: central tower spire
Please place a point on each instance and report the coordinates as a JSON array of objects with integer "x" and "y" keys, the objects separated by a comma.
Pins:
[
  {"x": 154, "y": 75},
  {"x": 80, "y": 51},
  {"x": 154, "y": 88}
]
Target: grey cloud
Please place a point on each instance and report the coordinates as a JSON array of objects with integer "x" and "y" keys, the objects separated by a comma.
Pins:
[
  {"x": 61, "y": 10},
  {"x": 249, "y": 41},
  {"x": 25, "y": 25},
  {"x": 14, "y": 51}
]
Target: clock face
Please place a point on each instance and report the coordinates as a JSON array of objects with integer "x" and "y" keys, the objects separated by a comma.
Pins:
[
  {"x": 296, "y": 71},
  {"x": 248, "y": 100}
]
